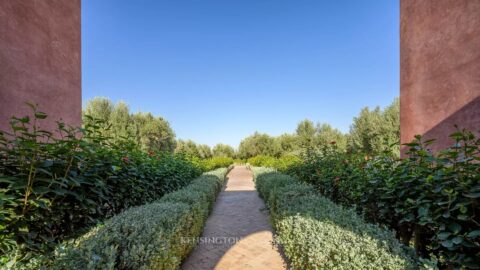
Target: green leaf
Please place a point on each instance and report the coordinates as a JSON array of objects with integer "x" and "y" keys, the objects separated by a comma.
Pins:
[
  {"x": 447, "y": 244},
  {"x": 472, "y": 195},
  {"x": 455, "y": 228},
  {"x": 457, "y": 240},
  {"x": 422, "y": 211},
  {"x": 47, "y": 163},
  {"x": 40, "y": 115},
  {"x": 443, "y": 235},
  {"x": 473, "y": 234}
]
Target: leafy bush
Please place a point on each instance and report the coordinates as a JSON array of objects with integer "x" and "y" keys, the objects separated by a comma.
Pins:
[
  {"x": 158, "y": 235},
  {"x": 430, "y": 201},
  {"x": 216, "y": 162},
  {"x": 281, "y": 164},
  {"x": 54, "y": 186},
  {"x": 148, "y": 131},
  {"x": 315, "y": 233},
  {"x": 239, "y": 161}
]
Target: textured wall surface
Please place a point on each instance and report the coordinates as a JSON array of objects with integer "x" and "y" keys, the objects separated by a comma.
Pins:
[
  {"x": 40, "y": 59},
  {"x": 440, "y": 68}
]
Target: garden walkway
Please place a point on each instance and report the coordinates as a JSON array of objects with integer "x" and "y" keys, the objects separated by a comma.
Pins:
[{"x": 237, "y": 234}]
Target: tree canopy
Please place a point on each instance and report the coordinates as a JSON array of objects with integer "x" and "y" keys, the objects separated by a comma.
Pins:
[{"x": 150, "y": 132}]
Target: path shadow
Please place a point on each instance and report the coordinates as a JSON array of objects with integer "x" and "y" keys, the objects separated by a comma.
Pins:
[{"x": 238, "y": 226}]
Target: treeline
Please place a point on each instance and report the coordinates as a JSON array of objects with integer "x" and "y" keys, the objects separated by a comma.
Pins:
[
  {"x": 150, "y": 132},
  {"x": 204, "y": 151},
  {"x": 372, "y": 132}
]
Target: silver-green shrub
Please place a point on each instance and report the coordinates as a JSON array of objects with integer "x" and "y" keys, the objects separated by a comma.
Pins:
[
  {"x": 316, "y": 233},
  {"x": 152, "y": 236}
]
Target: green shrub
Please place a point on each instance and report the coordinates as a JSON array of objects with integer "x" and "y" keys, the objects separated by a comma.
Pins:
[
  {"x": 158, "y": 235},
  {"x": 54, "y": 186},
  {"x": 281, "y": 164},
  {"x": 262, "y": 161},
  {"x": 216, "y": 162},
  {"x": 431, "y": 201},
  {"x": 315, "y": 233},
  {"x": 238, "y": 161}
]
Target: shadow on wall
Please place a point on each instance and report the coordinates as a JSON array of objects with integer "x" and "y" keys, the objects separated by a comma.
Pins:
[{"x": 467, "y": 117}]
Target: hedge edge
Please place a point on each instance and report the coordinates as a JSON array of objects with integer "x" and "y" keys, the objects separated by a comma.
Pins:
[
  {"x": 316, "y": 233},
  {"x": 158, "y": 235}
]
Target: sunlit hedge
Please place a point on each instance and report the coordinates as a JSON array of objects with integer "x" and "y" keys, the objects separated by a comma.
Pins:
[
  {"x": 158, "y": 235},
  {"x": 53, "y": 186},
  {"x": 431, "y": 200},
  {"x": 315, "y": 233},
  {"x": 281, "y": 164},
  {"x": 216, "y": 162}
]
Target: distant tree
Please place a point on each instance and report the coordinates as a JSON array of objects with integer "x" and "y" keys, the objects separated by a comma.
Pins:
[
  {"x": 153, "y": 133},
  {"x": 223, "y": 150},
  {"x": 121, "y": 121},
  {"x": 391, "y": 126},
  {"x": 375, "y": 130},
  {"x": 259, "y": 144},
  {"x": 149, "y": 132},
  {"x": 289, "y": 144},
  {"x": 326, "y": 134},
  {"x": 99, "y": 108},
  {"x": 204, "y": 151},
  {"x": 306, "y": 134},
  {"x": 187, "y": 147}
]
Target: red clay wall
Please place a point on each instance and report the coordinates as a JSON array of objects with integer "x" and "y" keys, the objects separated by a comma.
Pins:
[
  {"x": 40, "y": 59},
  {"x": 440, "y": 68}
]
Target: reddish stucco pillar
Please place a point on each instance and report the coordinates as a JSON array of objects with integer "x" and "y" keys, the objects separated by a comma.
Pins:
[
  {"x": 440, "y": 68},
  {"x": 40, "y": 60}
]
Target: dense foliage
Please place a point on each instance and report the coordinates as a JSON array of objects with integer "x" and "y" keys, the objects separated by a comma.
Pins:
[
  {"x": 281, "y": 164},
  {"x": 216, "y": 162},
  {"x": 223, "y": 150},
  {"x": 372, "y": 132},
  {"x": 53, "y": 186},
  {"x": 152, "y": 133},
  {"x": 315, "y": 233},
  {"x": 430, "y": 201},
  {"x": 203, "y": 151},
  {"x": 158, "y": 235},
  {"x": 258, "y": 144}
]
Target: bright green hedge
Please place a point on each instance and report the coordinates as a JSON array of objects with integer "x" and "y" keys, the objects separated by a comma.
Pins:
[
  {"x": 281, "y": 164},
  {"x": 54, "y": 188},
  {"x": 216, "y": 162},
  {"x": 315, "y": 233},
  {"x": 158, "y": 235}
]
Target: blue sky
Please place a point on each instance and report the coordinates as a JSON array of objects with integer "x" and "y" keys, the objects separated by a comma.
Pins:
[{"x": 220, "y": 70}]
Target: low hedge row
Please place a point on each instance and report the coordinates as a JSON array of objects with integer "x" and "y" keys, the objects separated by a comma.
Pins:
[
  {"x": 158, "y": 235},
  {"x": 316, "y": 233},
  {"x": 216, "y": 162},
  {"x": 430, "y": 199},
  {"x": 55, "y": 186},
  {"x": 282, "y": 163}
]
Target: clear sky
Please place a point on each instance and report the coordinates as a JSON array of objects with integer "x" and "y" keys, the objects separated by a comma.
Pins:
[{"x": 220, "y": 70}]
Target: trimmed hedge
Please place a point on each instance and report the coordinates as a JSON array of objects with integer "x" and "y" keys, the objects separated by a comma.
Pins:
[
  {"x": 55, "y": 186},
  {"x": 315, "y": 233},
  {"x": 158, "y": 235},
  {"x": 216, "y": 162},
  {"x": 281, "y": 163},
  {"x": 430, "y": 199}
]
